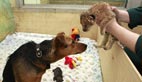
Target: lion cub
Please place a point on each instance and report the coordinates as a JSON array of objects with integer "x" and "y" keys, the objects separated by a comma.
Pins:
[{"x": 101, "y": 15}]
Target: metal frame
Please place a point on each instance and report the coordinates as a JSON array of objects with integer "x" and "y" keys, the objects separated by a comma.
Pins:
[{"x": 51, "y": 7}]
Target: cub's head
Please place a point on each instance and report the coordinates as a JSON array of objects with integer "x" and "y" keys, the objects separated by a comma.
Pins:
[{"x": 87, "y": 20}]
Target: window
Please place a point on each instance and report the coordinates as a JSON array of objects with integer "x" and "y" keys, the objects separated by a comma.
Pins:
[
  {"x": 64, "y": 4},
  {"x": 75, "y": 2}
]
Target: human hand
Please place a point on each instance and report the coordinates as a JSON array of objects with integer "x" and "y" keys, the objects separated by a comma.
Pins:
[{"x": 121, "y": 15}]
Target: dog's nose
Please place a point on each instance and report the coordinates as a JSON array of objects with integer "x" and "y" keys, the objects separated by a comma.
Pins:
[{"x": 85, "y": 46}]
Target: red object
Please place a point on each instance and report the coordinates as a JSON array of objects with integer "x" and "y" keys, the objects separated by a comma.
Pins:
[
  {"x": 68, "y": 61},
  {"x": 75, "y": 34}
]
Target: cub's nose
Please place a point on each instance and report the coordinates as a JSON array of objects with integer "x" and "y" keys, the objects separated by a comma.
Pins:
[{"x": 84, "y": 29}]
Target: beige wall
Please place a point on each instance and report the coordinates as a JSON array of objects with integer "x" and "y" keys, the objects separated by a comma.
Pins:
[
  {"x": 49, "y": 22},
  {"x": 13, "y": 3},
  {"x": 133, "y": 3}
]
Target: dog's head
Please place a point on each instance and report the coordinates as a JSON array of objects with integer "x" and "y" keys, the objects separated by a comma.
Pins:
[
  {"x": 87, "y": 20},
  {"x": 50, "y": 51},
  {"x": 64, "y": 45}
]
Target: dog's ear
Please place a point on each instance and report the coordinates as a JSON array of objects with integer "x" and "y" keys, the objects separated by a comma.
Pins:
[
  {"x": 61, "y": 34},
  {"x": 59, "y": 40}
]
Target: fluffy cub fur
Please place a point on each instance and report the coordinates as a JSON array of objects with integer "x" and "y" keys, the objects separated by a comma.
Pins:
[{"x": 101, "y": 14}]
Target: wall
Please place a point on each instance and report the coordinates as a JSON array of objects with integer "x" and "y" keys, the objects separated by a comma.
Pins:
[
  {"x": 49, "y": 22},
  {"x": 13, "y": 3},
  {"x": 7, "y": 24},
  {"x": 133, "y": 3},
  {"x": 32, "y": 1}
]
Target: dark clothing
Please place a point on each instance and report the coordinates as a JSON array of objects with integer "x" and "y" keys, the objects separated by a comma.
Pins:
[
  {"x": 136, "y": 58},
  {"x": 138, "y": 47},
  {"x": 135, "y": 15}
]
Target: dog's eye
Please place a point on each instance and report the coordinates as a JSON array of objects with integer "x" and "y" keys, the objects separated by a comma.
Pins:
[
  {"x": 73, "y": 41},
  {"x": 65, "y": 46}
]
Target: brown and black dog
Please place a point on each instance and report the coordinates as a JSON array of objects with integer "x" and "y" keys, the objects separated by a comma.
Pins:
[{"x": 30, "y": 61}]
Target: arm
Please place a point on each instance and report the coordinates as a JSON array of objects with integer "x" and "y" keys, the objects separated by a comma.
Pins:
[
  {"x": 132, "y": 16},
  {"x": 122, "y": 15},
  {"x": 125, "y": 36}
]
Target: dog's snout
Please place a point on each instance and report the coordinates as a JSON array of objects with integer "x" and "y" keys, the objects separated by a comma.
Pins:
[
  {"x": 80, "y": 47},
  {"x": 85, "y": 46}
]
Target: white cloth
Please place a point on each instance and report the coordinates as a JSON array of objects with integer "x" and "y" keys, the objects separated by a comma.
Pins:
[{"x": 89, "y": 69}]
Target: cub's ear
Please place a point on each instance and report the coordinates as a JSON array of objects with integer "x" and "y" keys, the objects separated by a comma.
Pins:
[
  {"x": 87, "y": 16},
  {"x": 59, "y": 40},
  {"x": 91, "y": 18},
  {"x": 83, "y": 15}
]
